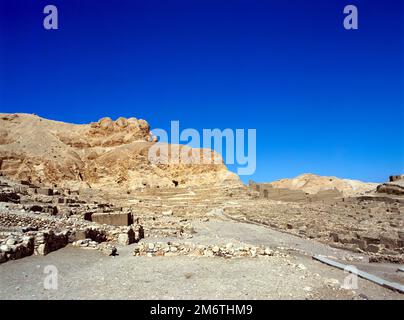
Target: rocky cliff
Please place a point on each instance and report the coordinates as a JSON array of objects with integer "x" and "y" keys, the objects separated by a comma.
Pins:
[{"x": 104, "y": 154}]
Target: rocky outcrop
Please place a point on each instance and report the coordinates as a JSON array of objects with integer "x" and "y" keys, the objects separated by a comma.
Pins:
[
  {"x": 394, "y": 187},
  {"x": 104, "y": 154}
]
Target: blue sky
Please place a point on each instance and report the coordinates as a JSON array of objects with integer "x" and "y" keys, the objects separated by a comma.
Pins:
[{"x": 322, "y": 99}]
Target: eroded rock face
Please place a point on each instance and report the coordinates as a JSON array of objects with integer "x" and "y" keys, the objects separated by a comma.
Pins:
[
  {"x": 394, "y": 187},
  {"x": 104, "y": 154}
]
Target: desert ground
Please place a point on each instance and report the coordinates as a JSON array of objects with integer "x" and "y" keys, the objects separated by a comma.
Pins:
[
  {"x": 86, "y": 200},
  {"x": 290, "y": 274}
]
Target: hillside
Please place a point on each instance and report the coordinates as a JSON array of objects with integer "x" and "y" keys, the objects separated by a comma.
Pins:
[
  {"x": 104, "y": 154},
  {"x": 312, "y": 184}
]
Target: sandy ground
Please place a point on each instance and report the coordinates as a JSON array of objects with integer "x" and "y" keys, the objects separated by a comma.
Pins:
[{"x": 88, "y": 274}]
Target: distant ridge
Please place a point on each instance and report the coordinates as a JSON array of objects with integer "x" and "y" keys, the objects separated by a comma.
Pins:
[{"x": 312, "y": 183}]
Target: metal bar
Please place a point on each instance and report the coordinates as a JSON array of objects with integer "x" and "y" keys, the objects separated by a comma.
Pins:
[{"x": 384, "y": 283}]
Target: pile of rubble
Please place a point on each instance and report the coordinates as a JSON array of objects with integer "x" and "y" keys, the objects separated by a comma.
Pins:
[
  {"x": 229, "y": 250},
  {"x": 86, "y": 243},
  {"x": 106, "y": 248},
  {"x": 12, "y": 248}
]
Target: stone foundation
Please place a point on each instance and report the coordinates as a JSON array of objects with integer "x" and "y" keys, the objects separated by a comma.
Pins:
[{"x": 200, "y": 250}]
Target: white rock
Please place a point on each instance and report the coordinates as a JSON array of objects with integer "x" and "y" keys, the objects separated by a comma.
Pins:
[
  {"x": 5, "y": 248},
  {"x": 11, "y": 241},
  {"x": 215, "y": 212},
  {"x": 268, "y": 252},
  {"x": 301, "y": 266},
  {"x": 208, "y": 253},
  {"x": 331, "y": 282},
  {"x": 123, "y": 239},
  {"x": 167, "y": 213},
  {"x": 41, "y": 249}
]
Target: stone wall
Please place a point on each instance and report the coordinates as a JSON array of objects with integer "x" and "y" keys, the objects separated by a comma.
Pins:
[
  {"x": 48, "y": 241},
  {"x": 113, "y": 219},
  {"x": 17, "y": 246},
  {"x": 228, "y": 250}
]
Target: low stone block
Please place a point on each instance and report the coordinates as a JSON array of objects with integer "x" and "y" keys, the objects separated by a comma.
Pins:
[
  {"x": 45, "y": 191},
  {"x": 113, "y": 219}
]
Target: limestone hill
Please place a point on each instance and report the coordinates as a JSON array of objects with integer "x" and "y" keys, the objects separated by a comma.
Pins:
[
  {"x": 104, "y": 154},
  {"x": 312, "y": 184}
]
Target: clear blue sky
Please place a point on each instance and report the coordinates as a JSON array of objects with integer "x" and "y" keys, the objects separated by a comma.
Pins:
[{"x": 322, "y": 99}]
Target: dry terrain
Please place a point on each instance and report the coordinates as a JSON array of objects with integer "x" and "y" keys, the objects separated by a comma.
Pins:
[{"x": 71, "y": 195}]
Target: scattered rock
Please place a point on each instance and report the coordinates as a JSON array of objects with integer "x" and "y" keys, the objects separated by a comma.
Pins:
[
  {"x": 301, "y": 266},
  {"x": 226, "y": 251},
  {"x": 167, "y": 213}
]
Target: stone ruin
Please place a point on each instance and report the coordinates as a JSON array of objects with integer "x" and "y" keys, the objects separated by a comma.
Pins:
[
  {"x": 37, "y": 220},
  {"x": 267, "y": 191}
]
